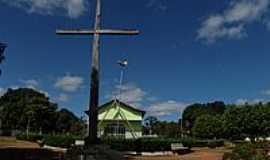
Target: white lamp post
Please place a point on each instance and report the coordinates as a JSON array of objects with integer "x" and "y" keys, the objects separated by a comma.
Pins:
[{"x": 123, "y": 64}]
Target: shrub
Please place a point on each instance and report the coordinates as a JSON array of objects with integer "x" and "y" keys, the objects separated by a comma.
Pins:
[
  {"x": 190, "y": 142},
  {"x": 215, "y": 143},
  {"x": 154, "y": 144},
  {"x": 147, "y": 145},
  {"x": 199, "y": 143},
  {"x": 60, "y": 140},
  {"x": 157, "y": 144},
  {"x": 30, "y": 137},
  {"x": 247, "y": 151}
]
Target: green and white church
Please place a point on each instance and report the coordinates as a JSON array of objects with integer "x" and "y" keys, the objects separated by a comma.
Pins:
[{"x": 119, "y": 119}]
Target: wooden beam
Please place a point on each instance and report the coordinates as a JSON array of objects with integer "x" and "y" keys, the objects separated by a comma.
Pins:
[
  {"x": 75, "y": 32},
  {"x": 94, "y": 84},
  {"x": 101, "y": 32}
]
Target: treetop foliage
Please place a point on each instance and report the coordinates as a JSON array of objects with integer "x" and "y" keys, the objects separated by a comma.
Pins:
[
  {"x": 24, "y": 108},
  {"x": 230, "y": 121},
  {"x": 216, "y": 120},
  {"x": 192, "y": 112}
]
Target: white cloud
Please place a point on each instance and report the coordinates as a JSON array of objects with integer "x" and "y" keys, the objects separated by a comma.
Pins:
[
  {"x": 232, "y": 22},
  {"x": 14, "y": 87},
  {"x": 63, "y": 97},
  {"x": 242, "y": 101},
  {"x": 266, "y": 92},
  {"x": 4, "y": 90},
  {"x": 43, "y": 92},
  {"x": 160, "y": 5},
  {"x": 152, "y": 99},
  {"x": 130, "y": 94},
  {"x": 166, "y": 108},
  {"x": 136, "y": 96},
  {"x": 33, "y": 84},
  {"x": 72, "y": 8},
  {"x": 69, "y": 83}
]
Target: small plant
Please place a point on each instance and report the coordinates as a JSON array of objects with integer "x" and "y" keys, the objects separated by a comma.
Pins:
[{"x": 247, "y": 151}]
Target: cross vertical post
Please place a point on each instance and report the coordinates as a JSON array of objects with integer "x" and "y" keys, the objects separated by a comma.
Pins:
[
  {"x": 94, "y": 88},
  {"x": 94, "y": 84}
]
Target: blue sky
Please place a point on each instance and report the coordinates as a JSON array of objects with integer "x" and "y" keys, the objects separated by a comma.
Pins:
[{"x": 188, "y": 51}]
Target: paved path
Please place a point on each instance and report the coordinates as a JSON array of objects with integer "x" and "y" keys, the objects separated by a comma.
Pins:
[{"x": 198, "y": 154}]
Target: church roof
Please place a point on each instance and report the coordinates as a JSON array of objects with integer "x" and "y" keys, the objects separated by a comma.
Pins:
[{"x": 121, "y": 104}]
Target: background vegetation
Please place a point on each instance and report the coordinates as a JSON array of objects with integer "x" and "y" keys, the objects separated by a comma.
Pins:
[
  {"x": 29, "y": 111},
  {"x": 216, "y": 121},
  {"x": 26, "y": 110}
]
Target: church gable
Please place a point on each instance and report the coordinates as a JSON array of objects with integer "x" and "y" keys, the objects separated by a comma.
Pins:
[{"x": 116, "y": 110}]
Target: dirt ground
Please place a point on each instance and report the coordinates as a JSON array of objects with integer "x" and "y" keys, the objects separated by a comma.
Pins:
[
  {"x": 10, "y": 142},
  {"x": 197, "y": 154}
]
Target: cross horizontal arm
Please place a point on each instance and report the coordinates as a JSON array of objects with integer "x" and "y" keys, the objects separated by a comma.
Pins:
[{"x": 102, "y": 32}]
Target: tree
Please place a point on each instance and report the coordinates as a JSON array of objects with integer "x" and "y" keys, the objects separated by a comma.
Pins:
[
  {"x": 162, "y": 128},
  {"x": 192, "y": 112},
  {"x": 247, "y": 121},
  {"x": 167, "y": 129},
  {"x": 24, "y": 107},
  {"x": 68, "y": 122},
  {"x": 208, "y": 126},
  {"x": 233, "y": 118},
  {"x": 29, "y": 110},
  {"x": 150, "y": 122}
]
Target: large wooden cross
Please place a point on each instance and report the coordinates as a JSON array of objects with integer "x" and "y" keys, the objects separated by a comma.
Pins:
[{"x": 94, "y": 88}]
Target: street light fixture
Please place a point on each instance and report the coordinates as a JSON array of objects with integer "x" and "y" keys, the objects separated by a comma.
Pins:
[{"x": 123, "y": 64}]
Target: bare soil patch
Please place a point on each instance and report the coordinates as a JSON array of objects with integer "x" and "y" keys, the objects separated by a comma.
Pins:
[{"x": 11, "y": 142}]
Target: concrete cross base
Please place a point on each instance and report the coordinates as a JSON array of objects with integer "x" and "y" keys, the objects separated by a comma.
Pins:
[{"x": 94, "y": 152}]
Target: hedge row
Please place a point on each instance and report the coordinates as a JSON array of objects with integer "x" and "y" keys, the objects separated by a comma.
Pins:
[
  {"x": 51, "y": 140},
  {"x": 59, "y": 140},
  {"x": 139, "y": 145},
  {"x": 157, "y": 144}
]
